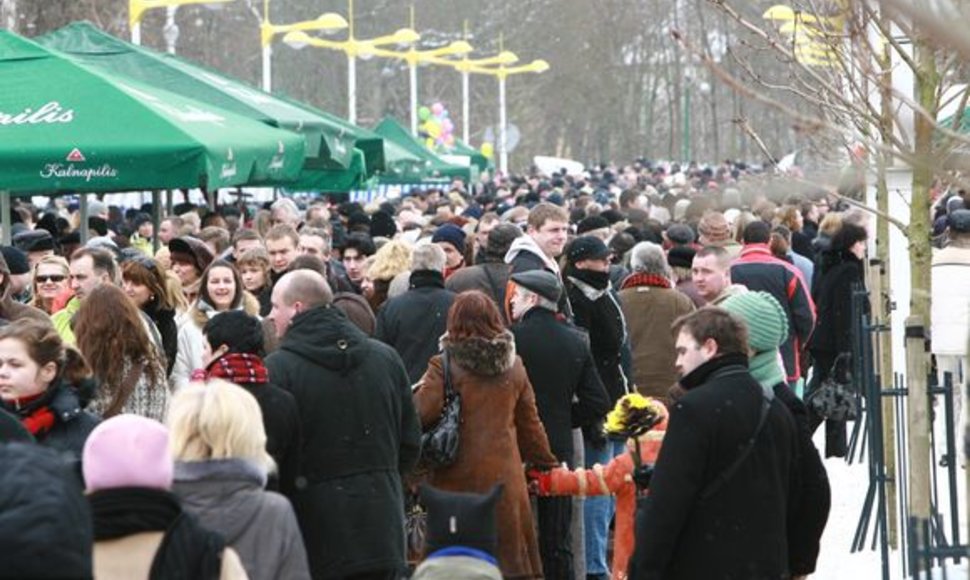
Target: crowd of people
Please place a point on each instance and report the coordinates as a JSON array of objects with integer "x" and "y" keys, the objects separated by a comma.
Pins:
[{"x": 243, "y": 392}]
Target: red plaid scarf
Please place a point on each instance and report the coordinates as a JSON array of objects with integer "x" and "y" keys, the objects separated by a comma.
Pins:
[
  {"x": 39, "y": 420},
  {"x": 641, "y": 279},
  {"x": 239, "y": 368}
]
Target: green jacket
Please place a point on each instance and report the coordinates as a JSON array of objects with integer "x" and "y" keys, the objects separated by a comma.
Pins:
[{"x": 62, "y": 320}]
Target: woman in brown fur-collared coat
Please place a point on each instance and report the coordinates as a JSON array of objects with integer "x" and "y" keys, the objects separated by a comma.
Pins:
[{"x": 500, "y": 425}]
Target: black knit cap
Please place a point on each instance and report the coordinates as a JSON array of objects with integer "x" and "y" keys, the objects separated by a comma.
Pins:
[{"x": 461, "y": 519}]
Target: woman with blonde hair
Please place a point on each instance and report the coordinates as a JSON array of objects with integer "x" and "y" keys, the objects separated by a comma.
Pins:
[
  {"x": 221, "y": 468},
  {"x": 52, "y": 284},
  {"x": 124, "y": 357},
  {"x": 393, "y": 258}
]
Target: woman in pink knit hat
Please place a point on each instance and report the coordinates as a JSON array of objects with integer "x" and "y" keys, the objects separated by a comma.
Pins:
[{"x": 140, "y": 528}]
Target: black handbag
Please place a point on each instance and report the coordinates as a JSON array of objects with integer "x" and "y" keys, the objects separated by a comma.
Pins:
[
  {"x": 439, "y": 445},
  {"x": 835, "y": 399}
]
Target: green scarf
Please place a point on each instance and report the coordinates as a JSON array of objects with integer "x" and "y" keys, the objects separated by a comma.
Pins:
[{"x": 766, "y": 368}]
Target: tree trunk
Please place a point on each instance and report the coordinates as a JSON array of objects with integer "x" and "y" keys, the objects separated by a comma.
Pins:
[
  {"x": 8, "y": 15},
  {"x": 883, "y": 302}
]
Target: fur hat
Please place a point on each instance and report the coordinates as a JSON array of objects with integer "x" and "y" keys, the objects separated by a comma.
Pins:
[
  {"x": 191, "y": 250},
  {"x": 714, "y": 227},
  {"x": 681, "y": 257},
  {"x": 127, "y": 451},
  {"x": 766, "y": 320}
]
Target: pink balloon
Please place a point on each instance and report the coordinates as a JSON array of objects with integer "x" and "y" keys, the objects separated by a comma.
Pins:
[
  {"x": 437, "y": 108},
  {"x": 447, "y": 126}
]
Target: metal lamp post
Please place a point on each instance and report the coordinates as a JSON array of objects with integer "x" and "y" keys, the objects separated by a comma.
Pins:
[
  {"x": 502, "y": 73},
  {"x": 353, "y": 48},
  {"x": 137, "y": 9},
  {"x": 328, "y": 22}
]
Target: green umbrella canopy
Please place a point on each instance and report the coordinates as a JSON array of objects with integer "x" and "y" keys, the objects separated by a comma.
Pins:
[
  {"x": 369, "y": 142},
  {"x": 435, "y": 167},
  {"x": 332, "y": 180},
  {"x": 67, "y": 127},
  {"x": 94, "y": 47},
  {"x": 477, "y": 159}
]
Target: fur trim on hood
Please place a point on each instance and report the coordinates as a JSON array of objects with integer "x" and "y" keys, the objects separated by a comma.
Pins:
[{"x": 481, "y": 356}]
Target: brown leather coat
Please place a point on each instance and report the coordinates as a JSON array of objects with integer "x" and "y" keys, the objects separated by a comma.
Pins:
[{"x": 500, "y": 429}]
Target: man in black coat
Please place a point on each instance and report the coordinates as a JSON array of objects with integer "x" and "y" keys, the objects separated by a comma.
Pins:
[
  {"x": 720, "y": 496},
  {"x": 569, "y": 394},
  {"x": 360, "y": 432},
  {"x": 413, "y": 322},
  {"x": 597, "y": 310}
]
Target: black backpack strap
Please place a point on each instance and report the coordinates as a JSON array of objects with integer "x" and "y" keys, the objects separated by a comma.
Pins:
[
  {"x": 446, "y": 369},
  {"x": 728, "y": 473}
]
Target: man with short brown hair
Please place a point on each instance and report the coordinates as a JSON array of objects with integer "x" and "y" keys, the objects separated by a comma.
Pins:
[
  {"x": 546, "y": 235},
  {"x": 720, "y": 492}
]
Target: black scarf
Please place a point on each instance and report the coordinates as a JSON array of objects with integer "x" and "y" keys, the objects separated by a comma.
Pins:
[
  {"x": 187, "y": 551},
  {"x": 598, "y": 280},
  {"x": 699, "y": 376}
]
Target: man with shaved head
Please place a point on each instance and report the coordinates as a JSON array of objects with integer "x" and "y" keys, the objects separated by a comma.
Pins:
[{"x": 360, "y": 430}]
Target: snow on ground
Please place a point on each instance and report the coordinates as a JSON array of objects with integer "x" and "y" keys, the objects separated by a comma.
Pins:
[{"x": 849, "y": 485}]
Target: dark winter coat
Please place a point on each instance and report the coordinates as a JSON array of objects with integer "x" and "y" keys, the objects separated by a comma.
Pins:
[
  {"x": 599, "y": 313},
  {"x": 833, "y": 299},
  {"x": 360, "y": 433},
  {"x": 569, "y": 392},
  {"x": 281, "y": 419},
  {"x": 413, "y": 322},
  {"x": 813, "y": 499},
  {"x": 758, "y": 269},
  {"x": 490, "y": 278},
  {"x": 227, "y": 497},
  {"x": 500, "y": 429},
  {"x": 740, "y": 531},
  {"x": 72, "y": 424},
  {"x": 45, "y": 523},
  {"x": 164, "y": 321}
]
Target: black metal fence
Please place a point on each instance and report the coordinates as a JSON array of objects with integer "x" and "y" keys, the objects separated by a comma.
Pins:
[{"x": 923, "y": 544}]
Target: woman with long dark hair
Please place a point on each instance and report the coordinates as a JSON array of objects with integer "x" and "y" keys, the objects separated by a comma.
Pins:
[
  {"x": 123, "y": 357},
  {"x": 500, "y": 425},
  {"x": 144, "y": 282}
]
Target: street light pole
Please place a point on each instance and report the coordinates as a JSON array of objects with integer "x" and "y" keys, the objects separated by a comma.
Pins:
[
  {"x": 503, "y": 151},
  {"x": 171, "y": 30},
  {"x": 352, "y": 88},
  {"x": 464, "y": 106},
  {"x": 413, "y": 82}
]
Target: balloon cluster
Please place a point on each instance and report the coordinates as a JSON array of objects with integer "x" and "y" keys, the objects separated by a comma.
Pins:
[{"x": 436, "y": 127}]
